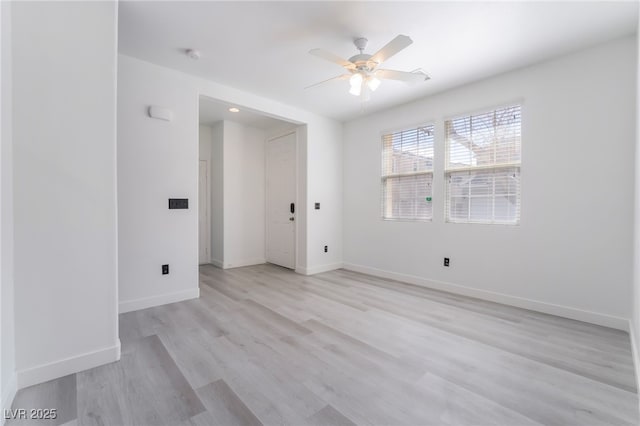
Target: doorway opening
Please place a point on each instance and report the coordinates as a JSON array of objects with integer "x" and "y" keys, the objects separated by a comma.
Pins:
[{"x": 248, "y": 186}]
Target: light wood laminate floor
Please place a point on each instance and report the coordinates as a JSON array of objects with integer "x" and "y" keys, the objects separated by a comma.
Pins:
[{"x": 264, "y": 345}]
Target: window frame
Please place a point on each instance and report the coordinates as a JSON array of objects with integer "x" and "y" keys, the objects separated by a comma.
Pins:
[
  {"x": 385, "y": 177},
  {"x": 495, "y": 168}
]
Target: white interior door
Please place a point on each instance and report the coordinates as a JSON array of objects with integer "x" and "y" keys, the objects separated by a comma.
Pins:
[
  {"x": 204, "y": 236},
  {"x": 281, "y": 200}
]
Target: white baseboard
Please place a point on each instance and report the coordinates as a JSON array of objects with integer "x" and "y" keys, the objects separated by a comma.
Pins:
[
  {"x": 636, "y": 356},
  {"x": 520, "y": 302},
  {"x": 318, "y": 269},
  {"x": 238, "y": 264},
  {"x": 45, "y": 372},
  {"x": 241, "y": 263},
  {"x": 162, "y": 299},
  {"x": 8, "y": 394}
]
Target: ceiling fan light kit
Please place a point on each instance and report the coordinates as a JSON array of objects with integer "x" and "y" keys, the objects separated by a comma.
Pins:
[
  {"x": 364, "y": 75},
  {"x": 356, "y": 84}
]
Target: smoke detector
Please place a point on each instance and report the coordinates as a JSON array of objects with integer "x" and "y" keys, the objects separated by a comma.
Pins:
[{"x": 193, "y": 54}]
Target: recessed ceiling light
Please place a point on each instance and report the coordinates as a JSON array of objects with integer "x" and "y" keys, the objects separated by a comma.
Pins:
[
  {"x": 193, "y": 54},
  {"x": 234, "y": 109}
]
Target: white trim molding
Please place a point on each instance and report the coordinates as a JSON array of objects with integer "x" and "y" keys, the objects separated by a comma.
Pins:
[
  {"x": 312, "y": 270},
  {"x": 45, "y": 372},
  {"x": 520, "y": 302},
  {"x": 241, "y": 263},
  {"x": 162, "y": 299},
  {"x": 8, "y": 394}
]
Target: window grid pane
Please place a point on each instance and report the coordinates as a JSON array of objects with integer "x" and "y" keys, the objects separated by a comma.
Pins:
[
  {"x": 483, "y": 140},
  {"x": 483, "y": 167},
  {"x": 484, "y": 196},
  {"x": 408, "y": 197},
  {"x": 407, "y": 174}
]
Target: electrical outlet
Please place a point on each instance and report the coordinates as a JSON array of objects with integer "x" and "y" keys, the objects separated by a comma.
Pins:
[
  {"x": 446, "y": 261},
  {"x": 165, "y": 269},
  {"x": 326, "y": 249}
]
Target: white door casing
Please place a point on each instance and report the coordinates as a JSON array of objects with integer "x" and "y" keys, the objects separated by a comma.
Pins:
[
  {"x": 204, "y": 236},
  {"x": 280, "y": 197}
]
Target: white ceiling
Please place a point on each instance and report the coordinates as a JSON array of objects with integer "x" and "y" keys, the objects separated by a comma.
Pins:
[
  {"x": 213, "y": 111},
  {"x": 262, "y": 47}
]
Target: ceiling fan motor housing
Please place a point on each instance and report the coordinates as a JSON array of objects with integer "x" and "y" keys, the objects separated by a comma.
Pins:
[{"x": 362, "y": 60}]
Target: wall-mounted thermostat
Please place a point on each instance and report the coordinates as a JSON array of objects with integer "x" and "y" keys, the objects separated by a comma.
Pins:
[{"x": 160, "y": 113}]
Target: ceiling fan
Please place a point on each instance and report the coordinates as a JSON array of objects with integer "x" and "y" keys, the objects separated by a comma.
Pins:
[{"x": 363, "y": 72}]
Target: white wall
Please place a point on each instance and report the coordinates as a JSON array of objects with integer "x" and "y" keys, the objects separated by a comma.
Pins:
[
  {"x": 205, "y": 136},
  {"x": 7, "y": 324},
  {"x": 325, "y": 183},
  {"x": 236, "y": 154},
  {"x": 570, "y": 255},
  {"x": 204, "y": 146},
  {"x": 217, "y": 194},
  {"x": 279, "y": 129},
  {"x": 244, "y": 192},
  {"x": 157, "y": 160},
  {"x": 64, "y": 102},
  {"x": 302, "y": 217},
  {"x": 180, "y": 91}
]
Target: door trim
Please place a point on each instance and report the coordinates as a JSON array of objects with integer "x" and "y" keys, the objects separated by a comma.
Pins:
[{"x": 207, "y": 212}]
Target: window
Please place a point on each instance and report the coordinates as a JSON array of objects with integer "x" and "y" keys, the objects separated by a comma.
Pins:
[
  {"x": 482, "y": 170},
  {"x": 407, "y": 174}
]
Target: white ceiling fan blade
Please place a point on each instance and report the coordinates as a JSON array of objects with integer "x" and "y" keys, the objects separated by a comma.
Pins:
[
  {"x": 407, "y": 77},
  {"x": 331, "y": 57},
  {"x": 339, "y": 77},
  {"x": 393, "y": 47}
]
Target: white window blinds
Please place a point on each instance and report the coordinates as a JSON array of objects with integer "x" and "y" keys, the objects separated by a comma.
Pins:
[
  {"x": 407, "y": 174},
  {"x": 483, "y": 167}
]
